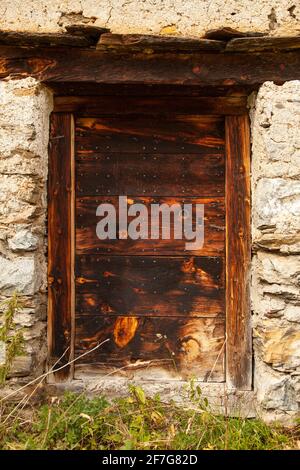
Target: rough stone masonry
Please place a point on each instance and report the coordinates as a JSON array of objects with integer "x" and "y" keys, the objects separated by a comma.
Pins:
[
  {"x": 276, "y": 243},
  {"x": 25, "y": 106},
  {"x": 180, "y": 17}
]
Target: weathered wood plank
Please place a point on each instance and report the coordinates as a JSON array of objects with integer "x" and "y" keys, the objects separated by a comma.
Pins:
[
  {"x": 180, "y": 134},
  {"x": 24, "y": 38},
  {"x": 163, "y": 43},
  {"x": 263, "y": 44},
  {"x": 178, "y": 348},
  {"x": 61, "y": 243},
  {"x": 122, "y": 91},
  {"x": 91, "y": 106},
  {"x": 75, "y": 65},
  {"x": 87, "y": 241},
  {"x": 161, "y": 286},
  {"x": 238, "y": 249},
  {"x": 200, "y": 174}
]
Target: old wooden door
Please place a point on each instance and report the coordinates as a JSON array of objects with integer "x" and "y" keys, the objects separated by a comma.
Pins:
[{"x": 150, "y": 307}]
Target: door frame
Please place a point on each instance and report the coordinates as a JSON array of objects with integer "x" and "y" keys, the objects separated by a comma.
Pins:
[
  {"x": 61, "y": 236},
  {"x": 219, "y": 68}
]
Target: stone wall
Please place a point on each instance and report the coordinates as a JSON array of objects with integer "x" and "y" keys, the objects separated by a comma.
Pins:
[
  {"x": 182, "y": 17},
  {"x": 24, "y": 132},
  {"x": 276, "y": 244}
]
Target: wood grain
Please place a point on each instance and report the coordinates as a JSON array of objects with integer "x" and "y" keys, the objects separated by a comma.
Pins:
[
  {"x": 182, "y": 348},
  {"x": 87, "y": 241},
  {"x": 155, "y": 43},
  {"x": 200, "y": 174},
  {"x": 180, "y": 134},
  {"x": 238, "y": 249},
  {"x": 91, "y": 106},
  {"x": 161, "y": 286},
  {"x": 122, "y": 91},
  {"x": 70, "y": 65},
  {"x": 265, "y": 43},
  {"x": 24, "y": 38},
  {"x": 60, "y": 244}
]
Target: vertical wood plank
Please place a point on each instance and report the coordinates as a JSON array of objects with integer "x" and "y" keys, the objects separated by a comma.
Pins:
[
  {"x": 238, "y": 253},
  {"x": 61, "y": 244}
]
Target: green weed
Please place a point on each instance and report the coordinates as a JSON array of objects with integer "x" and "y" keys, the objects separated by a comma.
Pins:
[{"x": 137, "y": 422}]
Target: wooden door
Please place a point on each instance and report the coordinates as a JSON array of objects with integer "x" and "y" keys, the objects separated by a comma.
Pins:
[{"x": 152, "y": 308}]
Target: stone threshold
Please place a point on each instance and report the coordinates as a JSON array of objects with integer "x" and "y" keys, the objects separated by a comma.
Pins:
[{"x": 222, "y": 398}]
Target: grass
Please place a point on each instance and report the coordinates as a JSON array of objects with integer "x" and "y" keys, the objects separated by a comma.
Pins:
[{"x": 135, "y": 422}]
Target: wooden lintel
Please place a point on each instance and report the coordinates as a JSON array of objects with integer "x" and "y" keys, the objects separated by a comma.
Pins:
[
  {"x": 152, "y": 105},
  {"x": 55, "y": 65},
  {"x": 122, "y": 90},
  {"x": 215, "y": 41}
]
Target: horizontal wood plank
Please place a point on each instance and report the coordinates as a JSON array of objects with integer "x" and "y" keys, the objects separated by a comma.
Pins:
[
  {"x": 91, "y": 106},
  {"x": 143, "y": 135},
  {"x": 87, "y": 241},
  {"x": 161, "y": 286},
  {"x": 122, "y": 91},
  {"x": 77, "y": 65},
  {"x": 164, "y": 43},
  {"x": 179, "y": 348},
  {"x": 24, "y": 38},
  {"x": 200, "y": 174},
  {"x": 265, "y": 43}
]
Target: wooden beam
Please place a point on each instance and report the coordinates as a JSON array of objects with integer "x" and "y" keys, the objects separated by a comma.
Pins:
[
  {"x": 263, "y": 44},
  {"x": 238, "y": 252},
  {"x": 122, "y": 90},
  {"x": 105, "y": 105},
  {"x": 21, "y": 38},
  {"x": 54, "y": 65},
  {"x": 166, "y": 43},
  {"x": 61, "y": 244}
]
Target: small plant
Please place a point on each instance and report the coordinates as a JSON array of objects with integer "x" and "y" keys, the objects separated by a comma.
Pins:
[
  {"x": 137, "y": 422},
  {"x": 11, "y": 338}
]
